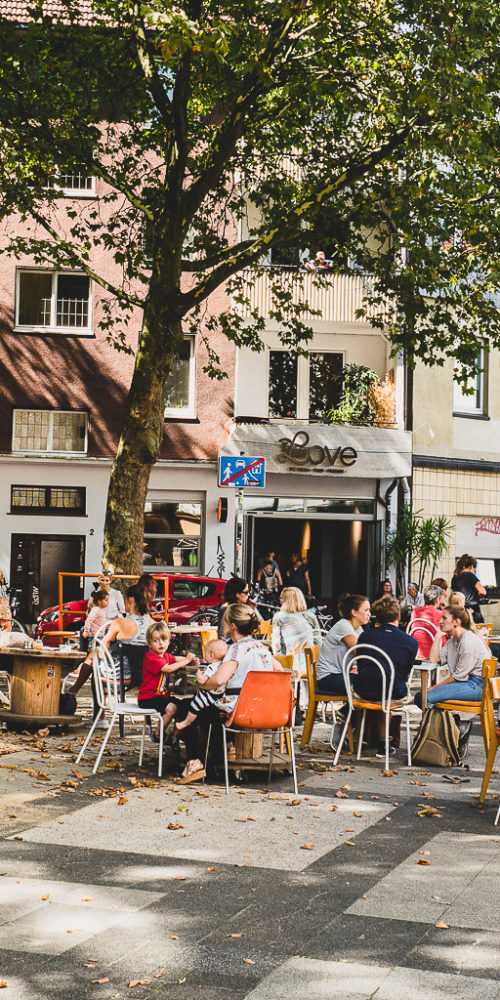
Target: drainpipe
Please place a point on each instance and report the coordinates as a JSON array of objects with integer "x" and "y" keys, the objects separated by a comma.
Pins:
[{"x": 406, "y": 499}]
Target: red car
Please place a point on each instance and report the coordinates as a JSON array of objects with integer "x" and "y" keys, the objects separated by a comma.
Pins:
[{"x": 186, "y": 594}]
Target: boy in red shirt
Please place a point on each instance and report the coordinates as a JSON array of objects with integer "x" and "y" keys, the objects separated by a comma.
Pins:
[{"x": 158, "y": 664}]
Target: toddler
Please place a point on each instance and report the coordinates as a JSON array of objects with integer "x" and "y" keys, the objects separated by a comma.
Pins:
[
  {"x": 215, "y": 651},
  {"x": 158, "y": 664},
  {"x": 95, "y": 619}
]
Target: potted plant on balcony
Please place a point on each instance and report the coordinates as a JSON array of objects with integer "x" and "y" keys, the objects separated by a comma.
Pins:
[{"x": 365, "y": 398}]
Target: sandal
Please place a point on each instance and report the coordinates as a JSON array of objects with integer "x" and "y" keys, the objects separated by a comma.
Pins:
[{"x": 193, "y": 771}]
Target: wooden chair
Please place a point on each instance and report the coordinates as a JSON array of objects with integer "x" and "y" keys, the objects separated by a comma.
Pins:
[
  {"x": 317, "y": 698},
  {"x": 490, "y": 728},
  {"x": 470, "y": 707},
  {"x": 265, "y": 629}
]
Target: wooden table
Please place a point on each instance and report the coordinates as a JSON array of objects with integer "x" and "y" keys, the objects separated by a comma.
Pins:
[
  {"x": 205, "y": 631},
  {"x": 426, "y": 669},
  {"x": 36, "y": 684}
]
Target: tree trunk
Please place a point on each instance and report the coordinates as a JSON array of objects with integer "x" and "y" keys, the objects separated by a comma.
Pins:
[{"x": 140, "y": 442}]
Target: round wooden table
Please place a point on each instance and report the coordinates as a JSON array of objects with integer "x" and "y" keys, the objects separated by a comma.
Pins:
[{"x": 36, "y": 684}]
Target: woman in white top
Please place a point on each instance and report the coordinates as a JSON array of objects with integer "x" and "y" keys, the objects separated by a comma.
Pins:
[
  {"x": 294, "y": 627},
  {"x": 354, "y": 611},
  {"x": 244, "y": 654},
  {"x": 464, "y": 653}
]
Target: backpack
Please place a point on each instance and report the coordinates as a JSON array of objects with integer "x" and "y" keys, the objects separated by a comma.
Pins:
[{"x": 437, "y": 739}]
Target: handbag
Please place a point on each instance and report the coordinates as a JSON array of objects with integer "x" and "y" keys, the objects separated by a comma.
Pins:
[{"x": 437, "y": 739}]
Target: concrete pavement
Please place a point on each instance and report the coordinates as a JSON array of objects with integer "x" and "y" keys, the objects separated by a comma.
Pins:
[{"x": 366, "y": 885}]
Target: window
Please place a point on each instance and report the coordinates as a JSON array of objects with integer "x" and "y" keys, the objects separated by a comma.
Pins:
[
  {"x": 58, "y": 302},
  {"x": 192, "y": 590},
  {"x": 76, "y": 184},
  {"x": 172, "y": 535},
  {"x": 69, "y": 500},
  {"x": 303, "y": 387},
  {"x": 54, "y": 431},
  {"x": 179, "y": 384},
  {"x": 472, "y": 403}
]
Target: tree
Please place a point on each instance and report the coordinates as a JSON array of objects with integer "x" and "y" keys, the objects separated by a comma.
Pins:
[
  {"x": 378, "y": 120},
  {"x": 419, "y": 541}
]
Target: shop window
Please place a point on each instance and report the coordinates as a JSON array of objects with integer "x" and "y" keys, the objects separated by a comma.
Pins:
[
  {"x": 304, "y": 387},
  {"x": 179, "y": 384},
  {"x": 472, "y": 402},
  {"x": 172, "y": 535},
  {"x": 67, "y": 500},
  {"x": 49, "y": 431},
  {"x": 56, "y": 302}
]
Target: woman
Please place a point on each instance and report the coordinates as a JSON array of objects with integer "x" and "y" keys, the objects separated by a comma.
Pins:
[
  {"x": 441, "y": 582},
  {"x": 385, "y": 588},
  {"x": 244, "y": 654},
  {"x": 463, "y": 653},
  {"x": 294, "y": 627},
  {"x": 429, "y": 617},
  {"x": 130, "y": 629},
  {"x": 236, "y": 591},
  {"x": 4, "y": 590},
  {"x": 465, "y": 581},
  {"x": 354, "y": 611}
]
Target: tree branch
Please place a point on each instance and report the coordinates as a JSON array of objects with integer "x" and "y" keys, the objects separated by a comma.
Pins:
[
  {"x": 76, "y": 259},
  {"x": 145, "y": 54},
  {"x": 247, "y": 253}
]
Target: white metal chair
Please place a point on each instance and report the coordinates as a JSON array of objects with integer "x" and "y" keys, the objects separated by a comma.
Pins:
[
  {"x": 383, "y": 662},
  {"x": 105, "y": 673}
]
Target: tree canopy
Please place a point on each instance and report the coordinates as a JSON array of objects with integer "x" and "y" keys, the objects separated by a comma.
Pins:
[{"x": 227, "y": 129}]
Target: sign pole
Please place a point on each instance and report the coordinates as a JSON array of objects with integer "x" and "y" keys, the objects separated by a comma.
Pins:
[{"x": 238, "y": 556}]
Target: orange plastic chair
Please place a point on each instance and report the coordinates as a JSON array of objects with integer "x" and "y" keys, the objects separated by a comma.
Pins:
[
  {"x": 265, "y": 704},
  {"x": 265, "y": 629},
  {"x": 470, "y": 707}
]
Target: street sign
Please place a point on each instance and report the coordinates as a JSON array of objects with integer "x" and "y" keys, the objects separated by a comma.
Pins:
[{"x": 242, "y": 471}]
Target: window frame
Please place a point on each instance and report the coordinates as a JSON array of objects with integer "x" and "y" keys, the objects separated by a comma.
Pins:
[
  {"x": 479, "y": 410},
  {"x": 50, "y": 435},
  {"x": 149, "y": 567},
  {"x": 186, "y": 412},
  {"x": 74, "y": 331},
  {"x": 303, "y": 380},
  {"x": 46, "y": 509},
  {"x": 69, "y": 192}
]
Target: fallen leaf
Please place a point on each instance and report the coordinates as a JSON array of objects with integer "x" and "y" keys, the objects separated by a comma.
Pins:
[
  {"x": 181, "y": 878},
  {"x": 427, "y": 811},
  {"x": 347, "y": 788},
  {"x": 236, "y": 935},
  {"x": 105, "y": 979},
  {"x": 357, "y": 814},
  {"x": 388, "y": 774},
  {"x": 43, "y": 732},
  {"x": 441, "y": 924},
  {"x": 3, "y": 984},
  {"x": 159, "y": 810},
  {"x": 251, "y": 819},
  {"x": 47, "y": 896},
  {"x": 89, "y": 899},
  {"x": 77, "y": 774},
  {"x": 122, "y": 800},
  {"x": 158, "y": 975},
  {"x": 341, "y": 795},
  {"x": 88, "y": 965},
  {"x": 182, "y": 809},
  {"x": 210, "y": 869},
  {"x": 183, "y": 980},
  {"x": 174, "y": 937},
  {"x": 350, "y": 843},
  {"x": 175, "y": 826},
  {"x": 249, "y": 961},
  {"x": 423, "y": 861},
  {"x": 203, "y": 795},
  {"x": 306, "y": 847}
]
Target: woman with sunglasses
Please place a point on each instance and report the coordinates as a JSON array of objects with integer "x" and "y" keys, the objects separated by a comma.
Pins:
[{"x": 236, "y": 591}]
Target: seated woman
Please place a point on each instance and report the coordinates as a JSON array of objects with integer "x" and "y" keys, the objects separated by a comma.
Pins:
[
  {"x": 236, "y": 591},
  {"x": 429, "y": 616},
  {"x": 294, "y": 627},
  {"x": 401, "y": 648},
  {"x": 354, "y": 611},
  {"x": 131, "y": 629},
  {"x": 463, "y": 653},
  {"x": 244, "y": 654}
]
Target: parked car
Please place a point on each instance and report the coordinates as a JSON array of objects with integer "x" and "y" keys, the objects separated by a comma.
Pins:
[{"x": 186, "y": 594}]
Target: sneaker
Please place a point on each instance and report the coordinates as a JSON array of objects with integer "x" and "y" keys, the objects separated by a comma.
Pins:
[
  {"x": 102, "y": 724},
  {"x": 381, "y": 749}
]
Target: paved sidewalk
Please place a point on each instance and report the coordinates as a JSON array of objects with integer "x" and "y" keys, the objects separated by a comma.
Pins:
[{"x": 365, "y": 885}]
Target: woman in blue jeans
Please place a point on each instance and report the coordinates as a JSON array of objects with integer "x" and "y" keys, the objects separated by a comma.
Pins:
[{"x": 463, "y": 653}]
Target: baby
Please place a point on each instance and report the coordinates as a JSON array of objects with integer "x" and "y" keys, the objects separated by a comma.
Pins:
[{"x": 215, "y": 651}]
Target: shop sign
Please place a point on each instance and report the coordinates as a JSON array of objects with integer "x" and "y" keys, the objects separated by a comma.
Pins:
[
  {"x": 300, "y": 452},
  {"x": 324, "y": 450}
]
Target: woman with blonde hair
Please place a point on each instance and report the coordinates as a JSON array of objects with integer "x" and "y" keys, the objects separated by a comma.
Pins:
[
  {"x": 294, "y": 627},
  {"x": 244, "y": 653}
]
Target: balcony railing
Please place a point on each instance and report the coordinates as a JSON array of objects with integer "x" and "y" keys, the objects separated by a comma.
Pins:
[{"x": 337, "y": 298}]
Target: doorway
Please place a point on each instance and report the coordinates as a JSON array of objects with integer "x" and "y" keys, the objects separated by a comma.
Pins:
[
  {"x": 36, "y": 561},
  {"x": 342, "y": 555}
]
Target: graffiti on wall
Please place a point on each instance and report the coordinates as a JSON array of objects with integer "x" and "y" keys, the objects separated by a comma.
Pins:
[{"x": 488, "y": 525}]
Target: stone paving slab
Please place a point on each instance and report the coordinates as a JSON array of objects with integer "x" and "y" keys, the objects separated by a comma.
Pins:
[
  {"x": 268, "y": 830},
  {"x": 301, "y": 977},
  {"x": 453, "y": 885}
]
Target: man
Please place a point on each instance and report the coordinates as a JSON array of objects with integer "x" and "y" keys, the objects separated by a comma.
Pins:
[
  {"x": 298, "y": 575},
  {"x": 402, "y": 650},
  {"x": 116, "y": 604}
]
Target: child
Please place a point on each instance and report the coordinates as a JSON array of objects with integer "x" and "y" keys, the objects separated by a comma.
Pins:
[
  {"x": 215, "y": 651},
  {"x": 154, "y": 692},
  {"x": 94, "y": 621}
]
